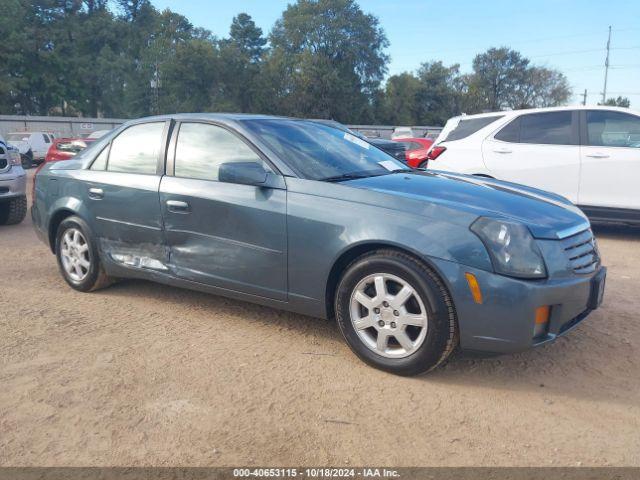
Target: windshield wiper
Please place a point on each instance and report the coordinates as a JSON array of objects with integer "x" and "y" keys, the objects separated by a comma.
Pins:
[
  {"x": 346, "y": 176},
  {"x": 354, "y": 176}
]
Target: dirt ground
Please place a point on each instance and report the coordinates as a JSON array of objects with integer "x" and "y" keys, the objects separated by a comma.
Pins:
[{"x": 143, "y": 374}]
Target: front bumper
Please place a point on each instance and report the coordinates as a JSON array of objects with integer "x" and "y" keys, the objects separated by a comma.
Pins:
[
  {"x": 504, "y": 322},
  {"x": 13, "y": 183}
]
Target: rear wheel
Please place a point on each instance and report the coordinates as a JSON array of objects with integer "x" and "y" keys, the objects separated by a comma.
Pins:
[
  {"x": 13, "y": 211},
  {"x": 424, "y": 164},
  {"x": 395, "y": 313},
  {"x": 77, "y": 256}
]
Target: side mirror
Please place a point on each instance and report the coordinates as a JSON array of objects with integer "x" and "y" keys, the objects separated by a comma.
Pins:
[{"x": 244, "y": 173}]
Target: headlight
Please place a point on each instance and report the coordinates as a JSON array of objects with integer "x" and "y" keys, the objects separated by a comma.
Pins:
[
  {"x": 513, "y": 250},
  {"x": 14, "y": 157}
]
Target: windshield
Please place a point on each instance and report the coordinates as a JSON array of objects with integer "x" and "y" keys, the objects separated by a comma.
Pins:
[
  {"x": 17, "y": 137},
  {"x": 320, "y": 152}
]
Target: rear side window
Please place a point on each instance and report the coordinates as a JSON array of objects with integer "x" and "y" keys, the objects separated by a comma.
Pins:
[
  {"x": 470, "y": 126},
  {"x": 201, "y": 149},
  {"x": 137, "y": 149},
  {"x": 612, "y": 129},
  {"x": 549, "y": 128},
  {"x": 510, "y": 133}
]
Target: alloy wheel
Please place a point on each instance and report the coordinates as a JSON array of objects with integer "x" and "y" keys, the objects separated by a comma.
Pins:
[
  {"x": 74, "y": 254},
  {"x": 388, "y": 315}
]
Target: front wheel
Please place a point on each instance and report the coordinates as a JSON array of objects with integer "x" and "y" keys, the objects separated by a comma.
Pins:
[
  {"x": 13, "y": 210},
  {"x": 395, "y": 313},
  {"x": 77, "y": 256}
]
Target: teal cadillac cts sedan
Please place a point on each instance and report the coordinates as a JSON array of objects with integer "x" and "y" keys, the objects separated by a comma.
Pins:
[{"x": 305, "y": 217}]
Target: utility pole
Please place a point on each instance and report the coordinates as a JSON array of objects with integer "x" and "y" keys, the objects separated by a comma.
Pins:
[
  {"x": 606, "y": 68},
  {"x": 584, "y": 97}
]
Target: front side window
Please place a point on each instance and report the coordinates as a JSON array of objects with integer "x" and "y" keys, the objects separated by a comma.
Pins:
[
  {"x": 201, "y": 149},
  {"x": 46, "y": 138},
  {"x": 137, "y": 149},
  {"x": 319, "y": 152},
  {"x": 612, "y": 129},
  {"x": 548, "y": 128}
]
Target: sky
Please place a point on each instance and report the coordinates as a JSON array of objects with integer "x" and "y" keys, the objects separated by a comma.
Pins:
[{"x": 568, "y": 35}]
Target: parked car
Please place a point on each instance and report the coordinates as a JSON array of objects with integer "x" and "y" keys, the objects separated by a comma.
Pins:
[
  {"x": 394, "y": 149},
  {"x": 297, "y": 215},
  {"x": 416, "y": 151},
  {"x": 66, "y": 148},
  {"x": 402, "y": 132},
  {"x": 590, "y": 155},
  {"x": 13, "y": 186},
  {"x": 33, "y": 146}
]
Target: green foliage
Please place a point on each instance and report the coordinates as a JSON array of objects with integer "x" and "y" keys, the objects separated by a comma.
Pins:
[
  {"x": 323, "y": 58},
  {"x": 327, "y": 57},
  {"x": 617, "y": 102}
]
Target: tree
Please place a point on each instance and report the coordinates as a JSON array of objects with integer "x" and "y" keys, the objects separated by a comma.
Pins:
[
  {"x": 497, "y": 76},
  {"x": 247, "y": 37},
  {"x": 438, "y": 98},
  {"x": 327, "y": 58},
  {"x": 617, "y": 102},
  {"x": 242, "y": 56},
  {"x": 503, "y": 78},
  {"x": 400, "y": 104}
]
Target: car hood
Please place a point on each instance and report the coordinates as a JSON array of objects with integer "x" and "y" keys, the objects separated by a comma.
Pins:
[
  {"x": 21, "y": 145},
  {"x": 546, "y": 215}
]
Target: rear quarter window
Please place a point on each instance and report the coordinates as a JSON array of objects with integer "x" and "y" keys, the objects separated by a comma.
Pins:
[{"x": 467, "y": 127}]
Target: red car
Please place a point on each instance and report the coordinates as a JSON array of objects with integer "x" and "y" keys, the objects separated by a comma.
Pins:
[
  {"x": 415, "y": 150},
  {"x": 66, "y": 148}
]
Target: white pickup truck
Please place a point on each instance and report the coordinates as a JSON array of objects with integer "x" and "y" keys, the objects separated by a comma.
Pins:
[{"x": 33, "y": 146}]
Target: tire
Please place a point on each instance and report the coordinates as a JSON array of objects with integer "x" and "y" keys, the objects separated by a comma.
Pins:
[
  {"x": 424, "y": 164},
  {"x": 91, "y": 274},
  {"x": 428, "y": 346},
  {"x": 13, "y": 211},
  {"x": 27, "y": 160}
]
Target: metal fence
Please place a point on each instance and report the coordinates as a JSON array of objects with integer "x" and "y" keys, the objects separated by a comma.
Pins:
[
  {"x": 80, "y": 127},
  {"x": 60, "y": 126}
]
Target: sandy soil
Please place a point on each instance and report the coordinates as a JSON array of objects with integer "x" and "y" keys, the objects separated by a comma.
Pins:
[{"x": 142, "y": 374}]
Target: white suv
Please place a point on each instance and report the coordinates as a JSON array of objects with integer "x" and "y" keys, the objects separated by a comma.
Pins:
[{"x": 590, "y": 155}]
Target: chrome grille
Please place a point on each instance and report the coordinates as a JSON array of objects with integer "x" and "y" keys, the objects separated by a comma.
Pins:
[
  {"x": 582, "y": 252},
  {"x": 4, "y": 159}
]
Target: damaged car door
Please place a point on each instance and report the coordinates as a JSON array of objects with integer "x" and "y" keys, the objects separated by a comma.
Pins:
[
  {"x": 122, "y": 193},
  {"x": 224, "y": 212}
]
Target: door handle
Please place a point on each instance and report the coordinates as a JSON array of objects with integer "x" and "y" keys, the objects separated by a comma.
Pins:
[
  {"x": 503, "y": 150},
  {"x": 177, "y": 206},
  {"x": 597, "y": 155},
  {"x": 96, "y": 193}
]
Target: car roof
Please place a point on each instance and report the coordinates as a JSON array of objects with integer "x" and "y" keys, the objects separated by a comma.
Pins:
[
  {"x": 215, "y": 116},
  {"x": 512, "y": 113}
]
